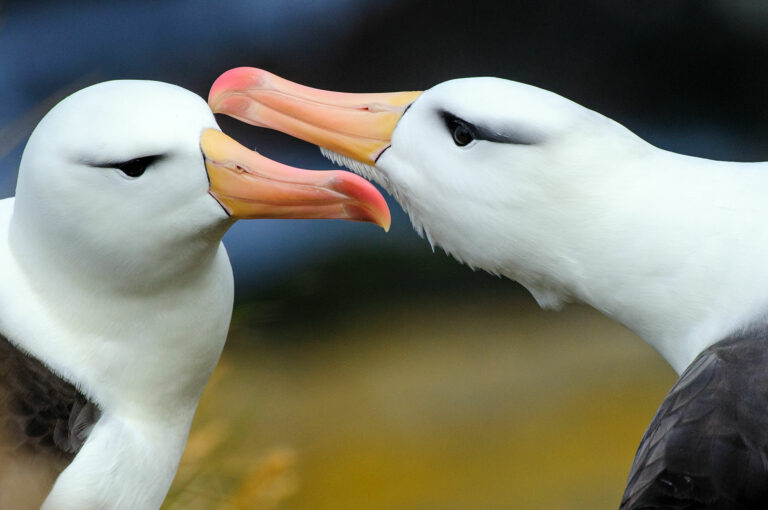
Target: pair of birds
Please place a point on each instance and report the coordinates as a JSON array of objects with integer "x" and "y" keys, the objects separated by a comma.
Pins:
[{"x": 116, "y": 287}]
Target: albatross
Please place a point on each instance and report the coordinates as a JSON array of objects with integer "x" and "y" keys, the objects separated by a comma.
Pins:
[
  {"x": 116, "y": 291},
  {"x": 524, "y": 183}
]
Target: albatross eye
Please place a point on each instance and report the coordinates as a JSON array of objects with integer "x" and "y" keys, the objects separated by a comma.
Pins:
[
  {"x": 132, "y": 168},
  {"x": 463, "y": 133},
  {"x": 135, "y": 167}
]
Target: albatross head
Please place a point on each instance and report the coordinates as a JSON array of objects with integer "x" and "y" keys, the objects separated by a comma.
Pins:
[
  {"x": 130, "y": 178},
  {"x": 522, "y": 182},
  {"x": 498, "y": 173}
]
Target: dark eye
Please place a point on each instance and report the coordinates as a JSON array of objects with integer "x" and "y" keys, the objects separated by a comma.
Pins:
[
  {"x": 463, "y": 133},
  {"x": 135, "y": 167}
]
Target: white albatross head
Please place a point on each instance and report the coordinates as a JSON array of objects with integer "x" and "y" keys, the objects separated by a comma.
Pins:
[
  {"x": 522, "y": 182},
  {"x": 492, "y": 171},
  {"x": 113, "y": 182}
]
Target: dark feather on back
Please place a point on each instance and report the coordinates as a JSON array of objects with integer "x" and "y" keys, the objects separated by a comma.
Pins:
[
  {"x": 41, "y": 414},
  {"x": 707, "y": 446}
]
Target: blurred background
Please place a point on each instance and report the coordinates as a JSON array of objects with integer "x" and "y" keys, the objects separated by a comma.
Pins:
[{"x": 364, "y": 371}]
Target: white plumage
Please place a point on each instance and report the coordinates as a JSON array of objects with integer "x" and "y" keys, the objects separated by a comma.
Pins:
[
  {"x": 115, "y": 291},
  {"x": 114, "y": 275},
  {"x": 562, "y": 199},
  {"x": 671, "y": 246}
]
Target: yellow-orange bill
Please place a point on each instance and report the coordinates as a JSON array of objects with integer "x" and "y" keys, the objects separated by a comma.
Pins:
[
  {"x": 248, "y": 185},
  {"x": 357, "y": 125}
]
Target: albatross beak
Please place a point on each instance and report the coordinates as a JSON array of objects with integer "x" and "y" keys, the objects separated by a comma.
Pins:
[
  {"x": 356, "y": 125},
  {"x": 248, "y": 185}
]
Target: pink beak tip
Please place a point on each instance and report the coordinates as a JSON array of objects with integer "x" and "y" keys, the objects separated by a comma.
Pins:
[
  {"x": 238, "y": 79},
  {"x": 366, "y": 193}
]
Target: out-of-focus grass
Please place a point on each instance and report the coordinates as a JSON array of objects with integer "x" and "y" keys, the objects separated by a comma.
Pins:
[{"x": 458, "y": 402}]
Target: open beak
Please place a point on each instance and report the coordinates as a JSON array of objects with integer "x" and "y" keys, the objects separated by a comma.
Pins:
[
  {"x": 356, "y": 125},
  {"x": 248, "y": 185}
]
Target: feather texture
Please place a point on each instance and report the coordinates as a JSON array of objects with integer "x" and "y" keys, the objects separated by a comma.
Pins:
[
  {"x": 42, "y": 413},
  {"x": 707, "y": 446}
]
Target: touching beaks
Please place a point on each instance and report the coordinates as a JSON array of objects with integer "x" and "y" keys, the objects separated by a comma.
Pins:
[
  {"x": 356, "y": 125},
  {"x": 248, "y": 185}
]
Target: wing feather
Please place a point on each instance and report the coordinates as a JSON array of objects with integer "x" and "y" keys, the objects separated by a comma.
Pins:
[{"x": 707, "y": 445}]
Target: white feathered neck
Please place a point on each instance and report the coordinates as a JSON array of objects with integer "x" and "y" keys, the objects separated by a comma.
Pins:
[{"x": 671, "y": 246}]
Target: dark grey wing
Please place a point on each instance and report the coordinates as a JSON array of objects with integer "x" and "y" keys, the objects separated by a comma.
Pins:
[
  {"x": 707, "y": 446},
  {"x": 41, "y": 414}
]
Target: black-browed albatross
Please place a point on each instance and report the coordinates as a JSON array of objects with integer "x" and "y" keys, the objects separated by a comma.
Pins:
[
  {"x": 524, "y": 183},
  {"x": 116, "y": 291}
]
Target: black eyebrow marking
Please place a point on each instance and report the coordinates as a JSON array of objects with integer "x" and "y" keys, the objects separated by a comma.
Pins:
[
  {"x": 148, "y": 160},
  {"x": 513, "y": 134}
]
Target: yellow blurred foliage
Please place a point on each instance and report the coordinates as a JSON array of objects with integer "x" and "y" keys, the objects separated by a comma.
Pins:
[
  {"x": 452, "y": 404},
  {"x": 270, "y": 480}
]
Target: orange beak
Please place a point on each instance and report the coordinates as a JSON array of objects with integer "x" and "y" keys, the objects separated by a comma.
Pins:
[
  {"x": 248, "y": 185},
  {"x": 356, "y": 125}
]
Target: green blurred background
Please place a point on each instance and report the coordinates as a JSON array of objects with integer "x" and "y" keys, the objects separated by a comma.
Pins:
[{"x": 364, "y": 371}]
